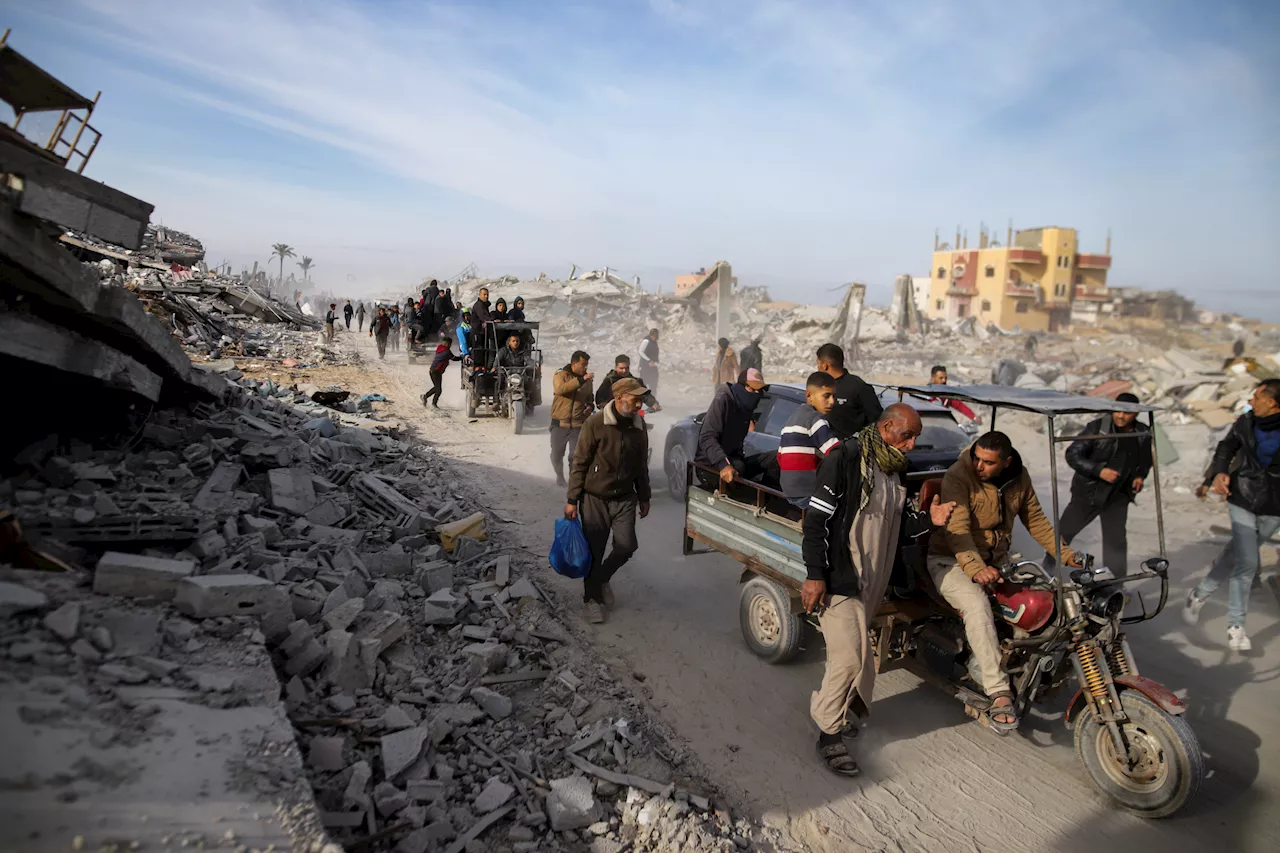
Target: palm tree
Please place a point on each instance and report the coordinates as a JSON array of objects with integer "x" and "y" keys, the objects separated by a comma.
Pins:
[
  {"x": 282, "y": 250},
  {"x": 306, "y": 264}
]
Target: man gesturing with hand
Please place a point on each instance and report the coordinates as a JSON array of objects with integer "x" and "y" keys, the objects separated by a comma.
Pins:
[{"x": 851, "y": 532}]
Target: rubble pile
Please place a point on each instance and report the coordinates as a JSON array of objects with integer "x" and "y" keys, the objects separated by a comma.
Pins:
[
  {"x": 171, "y": 246},
  {"x": 439, "y": 703},
  {"x": 215, "y": 315}
]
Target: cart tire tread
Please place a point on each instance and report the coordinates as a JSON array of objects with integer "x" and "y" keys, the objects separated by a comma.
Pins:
[{"x": 772, "y": 631}]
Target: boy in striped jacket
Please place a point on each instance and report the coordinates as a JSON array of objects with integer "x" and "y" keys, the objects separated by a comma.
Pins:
[{"x": 806, "y": 439}]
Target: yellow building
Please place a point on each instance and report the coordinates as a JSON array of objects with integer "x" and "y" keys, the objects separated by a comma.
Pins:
[{"x": 1030, "y": 282}]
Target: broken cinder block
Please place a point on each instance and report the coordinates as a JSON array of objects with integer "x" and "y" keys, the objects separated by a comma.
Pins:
[
  {"x": 210, "y": 596},
  {"x": 136, "y": 576}
]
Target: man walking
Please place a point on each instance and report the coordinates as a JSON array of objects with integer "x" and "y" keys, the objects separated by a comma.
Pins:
[
  {"x": 570, "y": 407},
  {"x": 330, "y": 318},
  {"x": 938, "y": 376},
  {"x": 856, "y": 403},
  {"x": 438, "y": 366},
  {"x": 1246, "y": 471},
  {"x": 1109, "y": 475},
  {"x": 649, "y": 361},
  {"x": 621, "y": 370},
  {"x": 347, "y": 311},
  {"x": 360, "y": 312},
  {"x": 608, "y": 483},
  {"x": 851, "y": 531},
  {"x": 751, "y": 358},
  {"x": 380, "y": 330}
]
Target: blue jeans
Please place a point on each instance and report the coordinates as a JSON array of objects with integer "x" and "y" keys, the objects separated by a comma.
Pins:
[
  {"x": 803, "y": 503},
  {"x": 1238, "y": 562}
]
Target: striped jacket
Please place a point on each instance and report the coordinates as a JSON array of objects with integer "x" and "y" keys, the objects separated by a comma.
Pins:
[{"x": 806, "y": 439}]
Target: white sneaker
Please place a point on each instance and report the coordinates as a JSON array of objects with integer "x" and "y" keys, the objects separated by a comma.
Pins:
[
  {"x": 1237, "y": 639},
  {"x": 594, "y": 611},
  {"x": 1191, "y": 608}
]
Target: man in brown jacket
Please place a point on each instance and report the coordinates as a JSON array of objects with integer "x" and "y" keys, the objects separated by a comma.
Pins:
[
  {"x": 990, "y": 489},
  {"x": 571, "y": 405},
  {"x": 610, "y": 479}
]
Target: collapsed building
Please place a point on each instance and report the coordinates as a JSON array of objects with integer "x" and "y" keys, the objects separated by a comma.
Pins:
[{"x": 243, "y": 614}]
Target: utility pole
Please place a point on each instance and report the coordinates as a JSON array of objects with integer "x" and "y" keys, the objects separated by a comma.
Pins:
[{"x": 724, "y": 298}]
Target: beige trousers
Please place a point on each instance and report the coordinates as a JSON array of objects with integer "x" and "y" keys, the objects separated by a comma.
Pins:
[
  {"x": 844, "y": 628},
  {"x": 970, "y": 599}
]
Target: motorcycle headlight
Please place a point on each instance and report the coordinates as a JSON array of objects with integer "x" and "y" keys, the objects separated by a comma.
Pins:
[
  {"x": 515, "y": 380},
  {"x": 1109, "y": 605}
]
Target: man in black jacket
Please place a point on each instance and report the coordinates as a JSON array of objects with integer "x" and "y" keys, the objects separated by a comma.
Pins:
[
  {"x": 724, "y": 430},
  {"x": 1246, "y": 471},
  {"x": 622, "y": 370},
  {"x": 1110, "y": 472},
  {"x": 851, "y": 532},
  {"x": 856, "y": 402},
  {"x": 751, "y": 356}
]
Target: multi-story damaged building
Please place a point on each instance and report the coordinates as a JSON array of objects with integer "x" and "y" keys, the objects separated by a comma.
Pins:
[{"x": 1032, "y": 281}]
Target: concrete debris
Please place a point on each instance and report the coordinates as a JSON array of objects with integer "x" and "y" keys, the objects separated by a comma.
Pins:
[
  {"x": 571, "y": 804},
  {"x": 136, "y": 576},
  {"x": 16, "y": 598}
]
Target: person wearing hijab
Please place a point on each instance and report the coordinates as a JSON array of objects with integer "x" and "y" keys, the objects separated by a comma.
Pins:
[
  {"x": 499, "y": 311},
  {"x": 516, "y": 314},
  {"x": 726, "y": 367}
]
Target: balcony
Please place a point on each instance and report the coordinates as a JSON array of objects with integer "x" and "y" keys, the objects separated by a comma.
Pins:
[
  {"x": 1019, "y": 255},
  {"x": 1093, "y": 262},
  {"x": 1093, "y": 292},
  {"x": 961, "y": 290},
  {"x": 1021, "y": 288}
]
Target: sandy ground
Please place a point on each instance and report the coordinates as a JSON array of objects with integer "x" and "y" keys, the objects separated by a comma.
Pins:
[{"x": 932, "y": 780}]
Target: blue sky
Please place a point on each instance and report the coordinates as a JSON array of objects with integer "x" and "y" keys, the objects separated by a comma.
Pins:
[{"x": 807, "y": 143}]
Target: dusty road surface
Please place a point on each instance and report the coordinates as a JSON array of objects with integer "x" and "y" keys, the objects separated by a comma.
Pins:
[{"x": 932, "y": 780}]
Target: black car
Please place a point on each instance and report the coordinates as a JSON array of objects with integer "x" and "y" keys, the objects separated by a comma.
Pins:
[{"x": 939, "y": 444}]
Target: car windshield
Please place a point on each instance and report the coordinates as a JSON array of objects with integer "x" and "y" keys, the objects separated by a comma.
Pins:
[
  {"x": 941, "y": 432},
  {"x": 779, "y": 413}
]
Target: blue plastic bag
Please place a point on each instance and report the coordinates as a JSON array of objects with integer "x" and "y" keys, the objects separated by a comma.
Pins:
[{"x": 570, "y": 554}]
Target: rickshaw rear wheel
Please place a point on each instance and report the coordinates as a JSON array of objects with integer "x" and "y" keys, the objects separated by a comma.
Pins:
[{"x": 772, "y": 631}]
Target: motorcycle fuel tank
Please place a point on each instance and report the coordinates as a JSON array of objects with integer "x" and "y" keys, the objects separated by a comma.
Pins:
[{"x": 1028, "y": 609}]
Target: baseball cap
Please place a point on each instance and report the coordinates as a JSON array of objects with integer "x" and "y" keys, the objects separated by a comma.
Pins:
[
  {"x": 754, "y": 381},
  {"x": 629, "y": 386}
]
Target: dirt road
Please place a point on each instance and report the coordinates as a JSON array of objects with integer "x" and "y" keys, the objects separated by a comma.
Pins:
[{"x": 932, "y": 780}]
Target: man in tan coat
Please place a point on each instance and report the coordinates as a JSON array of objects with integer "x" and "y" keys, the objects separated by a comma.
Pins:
[
  {"x": 571, "y": 405},
  {"x": 990, "y": 488}
]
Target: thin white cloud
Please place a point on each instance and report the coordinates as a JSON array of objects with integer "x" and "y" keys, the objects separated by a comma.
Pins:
[{"x": 822, "y": 140}]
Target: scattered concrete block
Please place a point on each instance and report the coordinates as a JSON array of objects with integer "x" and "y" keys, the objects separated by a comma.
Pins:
[
  {"x": 292, "y": 490},
  {"x": 401, "y": 749},
  {"x": 466, "y": 548},
  {"x": 441, "y": 608},
  {"x": 130, "y": 632},
  {"x": 345, "y": 669},
  {"x": 326, "y": 754},
  {"x": 210, "y": 596},
  {"x": 389, "y": 799},
  {"x": 16, "y": 598},
  {"x": 123, "y": 674},
  {"x": 477, "y": 632},
  {"x": 155, "y": 666},
  {"x": 136, "y": 576},
  {"x": 522, "y": 588},
  {"x": 267, "y": 527},
  {"x": 357, "y": 786},
  {"x": 495, "y": 704},
  {"x": 435, "y": 576},
  {"x": 571, "y": 804},
  {"x": 65, "y": 621},
  {"x": 337, "y": 597},
  {"x": 487, "y": 656},
  {"x": 381, "y": 625},
  {"x": 395, "y": 719},
  {"x": 502, "y": 571},
  {"x": 326, "y": 513},
  {"x": 340, "y": 617},
  {"x": 494, "y": 795},
  {"x": 308, "y": 659}
]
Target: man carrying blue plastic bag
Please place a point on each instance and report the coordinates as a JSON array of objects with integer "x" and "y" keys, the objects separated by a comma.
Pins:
[{"x": 608, "y": 482}]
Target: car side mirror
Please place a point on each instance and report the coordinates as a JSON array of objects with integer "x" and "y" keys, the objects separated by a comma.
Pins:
[{"x": 1159, "y": 565}]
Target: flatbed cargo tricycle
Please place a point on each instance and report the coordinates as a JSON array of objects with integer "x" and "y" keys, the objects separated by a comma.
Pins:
[{"x": 1130, "y": 732}]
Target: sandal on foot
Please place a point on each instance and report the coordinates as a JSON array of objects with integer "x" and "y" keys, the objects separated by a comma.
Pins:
[
  {"x": 837, "y": 759},
  {"x": 1002, "y": 728}
]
